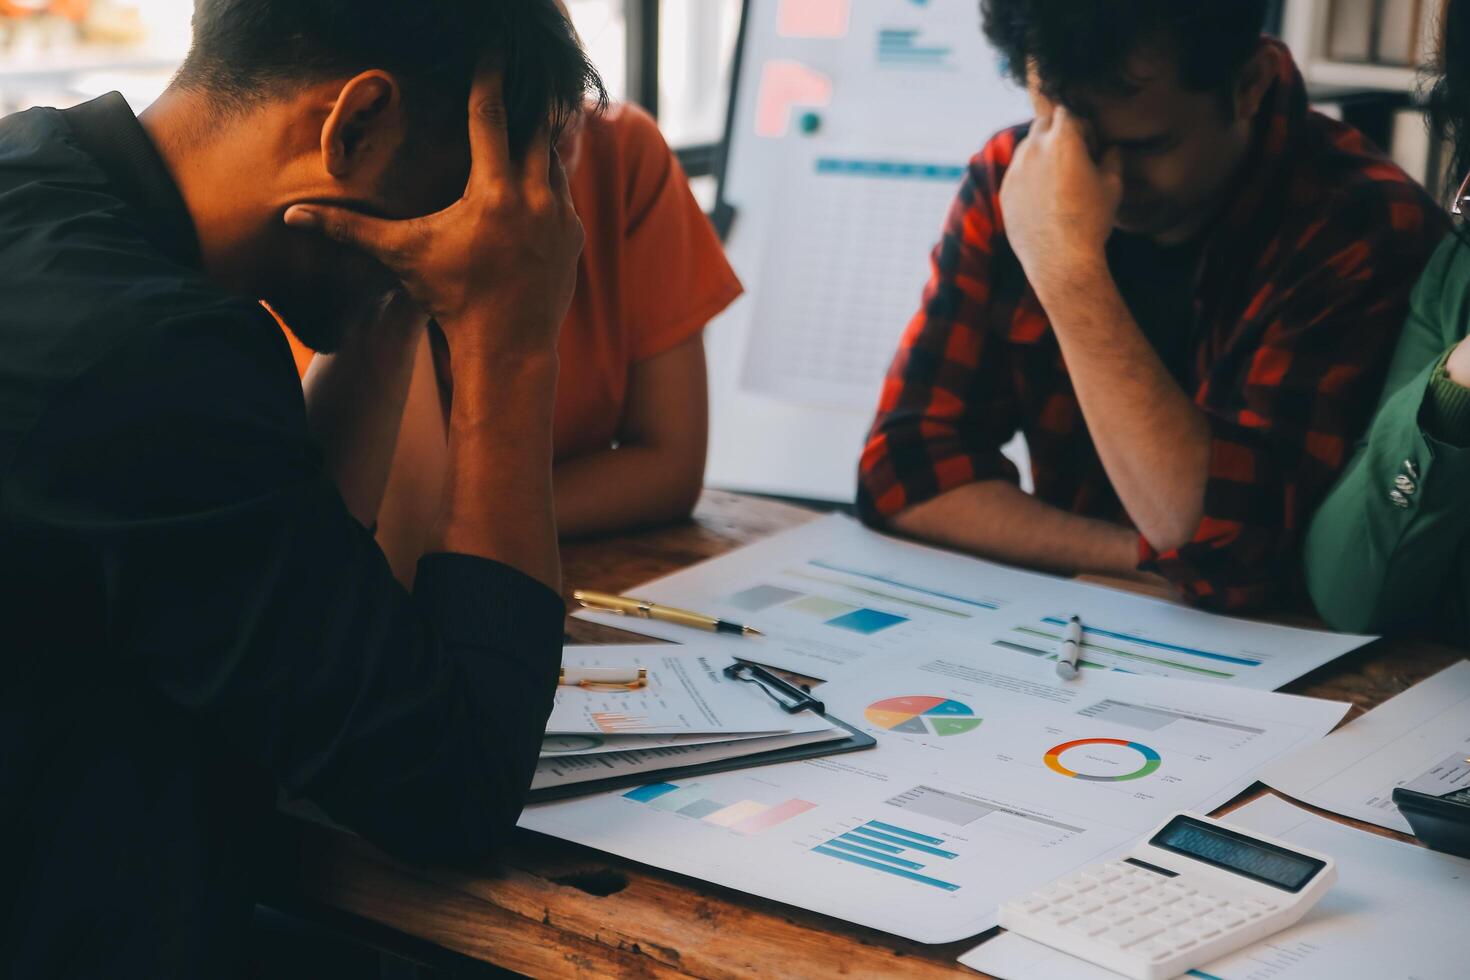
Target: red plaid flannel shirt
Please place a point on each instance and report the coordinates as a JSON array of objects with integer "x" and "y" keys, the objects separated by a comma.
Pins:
[{"x": 1300, "y": 296}]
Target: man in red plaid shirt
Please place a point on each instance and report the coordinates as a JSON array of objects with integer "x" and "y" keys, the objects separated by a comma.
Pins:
[{"x": 1178, "y": 282}]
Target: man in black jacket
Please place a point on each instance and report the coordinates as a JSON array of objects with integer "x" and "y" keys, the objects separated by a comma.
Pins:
[{"x": 193, "y": 615}]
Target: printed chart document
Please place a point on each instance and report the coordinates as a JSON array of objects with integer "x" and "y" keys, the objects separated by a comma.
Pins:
[
  {"x": 687, "y": 694},
  {"x": 854, "y": 124},
  {"x": 832, "y": 595},
  {"x": 1397, "y": 912},
  {"x": 1420, "y": 739},
  {"x": 984, "y": 782}
]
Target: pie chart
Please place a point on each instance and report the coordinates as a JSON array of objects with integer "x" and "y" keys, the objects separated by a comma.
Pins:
[
  {"x": 1110, "y": 760},
  {"x": 920, "y": 714}
]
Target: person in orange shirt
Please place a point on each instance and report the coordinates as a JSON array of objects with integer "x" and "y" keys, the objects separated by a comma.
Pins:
[{"x": 631, "y": 410}]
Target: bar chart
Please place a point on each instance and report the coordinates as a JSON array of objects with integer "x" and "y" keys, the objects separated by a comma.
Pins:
[
  {"x": 902, "y": 48},
  {"x": 1118, "y": 650},
  {"x": 893, "y": 850}
]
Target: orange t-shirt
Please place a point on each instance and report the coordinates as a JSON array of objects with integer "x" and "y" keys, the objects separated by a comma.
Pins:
[{"x": 651, "y": 275}]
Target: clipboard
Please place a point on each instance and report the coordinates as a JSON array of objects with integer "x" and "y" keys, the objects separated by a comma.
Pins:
[{"x": 792, "y": 699}]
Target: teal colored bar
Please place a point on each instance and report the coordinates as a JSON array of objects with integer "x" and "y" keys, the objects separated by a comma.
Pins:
[
  {"x": 645, "y": 794},
  {"x": 866, "y": 842},
  {"x": 900, "y": 862},
  {"x": 888, "y": 838},
  {"x": 922, "y": 838},
  {"x": 876, "y": 866}
]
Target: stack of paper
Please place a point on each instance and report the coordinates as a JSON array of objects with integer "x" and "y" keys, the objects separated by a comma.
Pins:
[
  {"x": 1419, "y": 739},
  {"x": 689, "y": 713}
]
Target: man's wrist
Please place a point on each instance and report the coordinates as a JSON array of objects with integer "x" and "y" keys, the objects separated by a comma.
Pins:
[
  {"x": 1071, "y": 280},
  {"x": 487, "y": 383}
]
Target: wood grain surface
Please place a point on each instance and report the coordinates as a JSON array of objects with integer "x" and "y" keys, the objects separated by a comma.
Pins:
[{"x": 553, "y": 909}]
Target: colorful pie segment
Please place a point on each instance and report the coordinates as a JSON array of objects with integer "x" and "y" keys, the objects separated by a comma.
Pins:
[{"x": 918, "y": 714}]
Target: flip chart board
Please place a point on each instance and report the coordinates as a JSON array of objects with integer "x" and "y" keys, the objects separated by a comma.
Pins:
[{"x": 850, "y": 128}]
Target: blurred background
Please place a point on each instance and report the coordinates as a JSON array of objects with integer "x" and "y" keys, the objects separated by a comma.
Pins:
[
  {"x": 677, "y": 58},
  {"x": 672, "y": 56}
]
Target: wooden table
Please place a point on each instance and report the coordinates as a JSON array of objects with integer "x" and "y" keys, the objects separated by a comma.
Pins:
[{"x": 559, "y": 909}]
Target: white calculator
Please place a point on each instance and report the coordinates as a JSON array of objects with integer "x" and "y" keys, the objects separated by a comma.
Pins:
[{"x": 1190, "y": 893}]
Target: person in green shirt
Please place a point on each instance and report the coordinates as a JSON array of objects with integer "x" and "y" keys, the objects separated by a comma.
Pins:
[{"x": 1390, "y": 548}]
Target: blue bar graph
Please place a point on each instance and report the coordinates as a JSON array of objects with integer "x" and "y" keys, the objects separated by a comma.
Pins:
[
  {"x": 947, "y": 886},
  {"x": 944, "y": 173},
  {"x": 889, "y": 848},
  {"x": 901, "y": 170},
  {"x": 866, "y": 842},
  {"x": 873, "y": 855},
  {"x": 888, "y": 838},
  {"x": 922, "y": 838},
  {"x": 1159, "y": 644},
  {"x": 901, "y": 47}
]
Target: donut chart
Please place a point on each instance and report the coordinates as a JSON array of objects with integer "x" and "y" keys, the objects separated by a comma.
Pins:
[
  {"x": 1151, "y": 760},
  {"x": 918, "y": 714}
]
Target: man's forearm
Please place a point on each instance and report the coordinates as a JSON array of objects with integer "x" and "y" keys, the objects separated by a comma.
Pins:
[
  {"x": 1152, "y": 439},
  {"x": 354, "y": 405},
  {"x": 498, "y": 503},
  {"x": 998, "y": 520}
]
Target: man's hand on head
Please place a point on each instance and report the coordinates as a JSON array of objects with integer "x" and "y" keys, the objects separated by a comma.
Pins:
[
  {"x": 497, "y": 268},
  {"x": 1058, "y": 202}
]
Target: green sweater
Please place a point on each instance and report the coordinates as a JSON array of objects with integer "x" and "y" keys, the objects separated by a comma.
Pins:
[{"x": 1390, "y": 547}]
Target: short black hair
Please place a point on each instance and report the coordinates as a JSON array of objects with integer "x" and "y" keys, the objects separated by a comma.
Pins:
[
  {"x": 246, "y": 51},
  {"x": 1086, "y": 44}
]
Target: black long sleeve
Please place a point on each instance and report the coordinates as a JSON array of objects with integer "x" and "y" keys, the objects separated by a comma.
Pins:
[{"x": 189, "y": 616}]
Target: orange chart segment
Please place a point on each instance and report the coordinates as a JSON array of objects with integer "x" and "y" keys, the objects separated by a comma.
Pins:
[{"x": 919, "y": 714}]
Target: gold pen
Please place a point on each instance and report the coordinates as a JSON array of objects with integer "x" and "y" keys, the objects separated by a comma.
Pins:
[{"x": 624, "y": 606}]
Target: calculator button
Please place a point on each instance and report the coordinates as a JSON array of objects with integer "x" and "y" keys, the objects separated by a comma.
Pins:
[
  {"x": 1228, "y": 918},
  {"x": 1136, "y": 906},
  {"x": 1030, "y": 904},
  {"x": 1174, "y": 891},
  {"x": 1102, "y": 874},
  {"x": 1169, "y": 916},
  {"x": 1057, "y": 916},
  {"x": 1153, "y": 950},
  {"x": 1257, "y": 907},
  {"x": 1089, "y": 926},
  {"x": 1195, "y": 905},
  {"x": 1179, "y": 939},
  {"x": 1135, "y": 884},
  {"x": 1115, "y": 916},
  {"x": 1199, "y": 928},
  {"x": 1129, "y": 934},
  {"x": 1110, "y": 895},
  {"x": 1085, "y": 905}
]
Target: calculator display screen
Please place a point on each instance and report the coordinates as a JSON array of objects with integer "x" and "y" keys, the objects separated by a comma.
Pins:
[{"x": 1239, "y": 853}]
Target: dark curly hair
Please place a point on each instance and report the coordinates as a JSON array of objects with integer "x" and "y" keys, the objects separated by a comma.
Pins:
[
  {"x": 1086, "y": 44},
  {"x": 1449, "y": 91}
]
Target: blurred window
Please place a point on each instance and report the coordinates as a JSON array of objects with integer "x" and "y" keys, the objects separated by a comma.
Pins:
[{"x": 61, "y": 52}]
